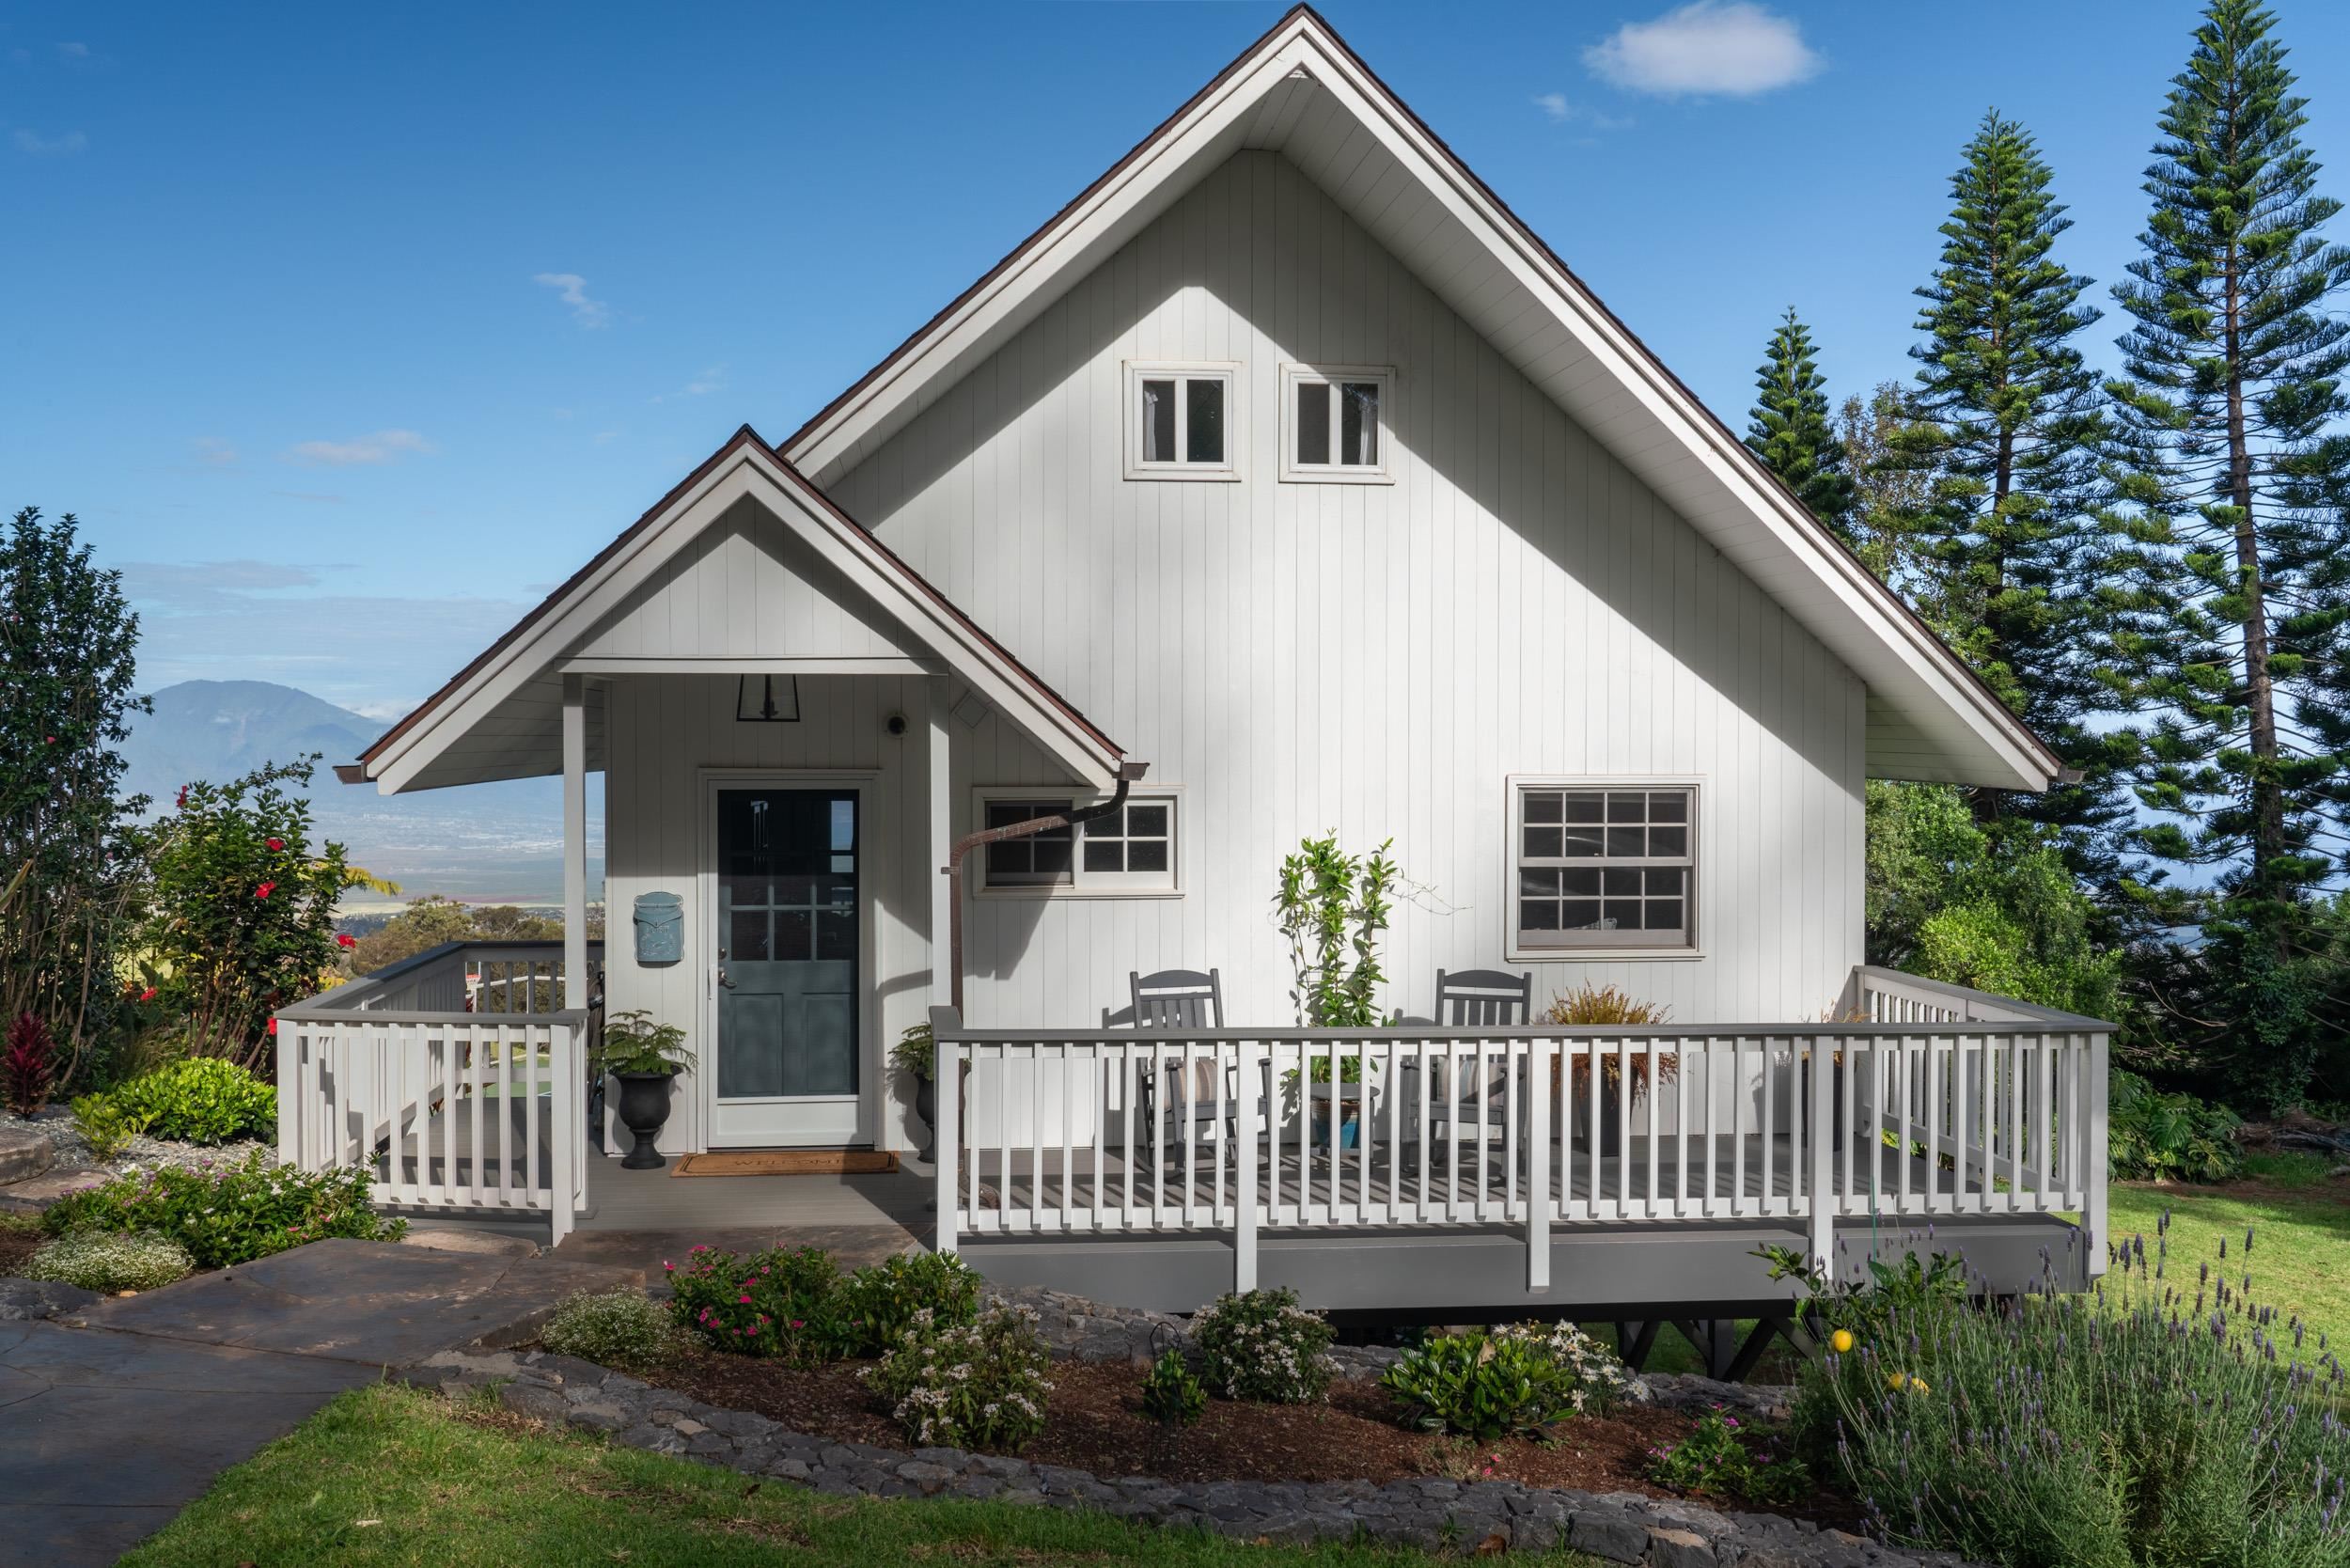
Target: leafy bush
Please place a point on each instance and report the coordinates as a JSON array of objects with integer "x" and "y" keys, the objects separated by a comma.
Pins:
[
  {"x": 1262, "y": 1345},
  {"x": 876, "y": 1304},
  {"x": 1333, "y": 906},
  {"x": 616, "y": 1328},
  {"x": 29, "y": 1066},
  {"x": 1171, "y": 1395},
  {"x": 1863, "y": 1304},
  {"x": 772, "y": 1303},
  {"x": 108, "y": 1264},
  {"x": 2160, "y": 1419},
  {"x": 106, "y": 1127},
  {"x": 201, "y": 1100},
  {"x": 228, "y": 1214},
  {"x": 1715, "y": 1459},
  {"x": 979, "y": 1385},
  {"x": 1516, "y": 1380},
  {"x": 2169, "y": 1138}
]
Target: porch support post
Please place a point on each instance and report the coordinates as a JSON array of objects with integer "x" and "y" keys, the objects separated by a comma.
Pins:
[
  {"x": 1821, "y": 1186},
  {"x": 574, "y": 843},
  {"x": 2093, "y": 1215},
  {"x": 1539, "y": 1086},
  {"x": 1249, "y": 1073},
  {"x": 947, "y": 1070},
  {"x": 942, "y": 835}
]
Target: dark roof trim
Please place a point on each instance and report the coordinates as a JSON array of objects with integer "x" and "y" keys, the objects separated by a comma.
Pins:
[{"x": 742, "y": 437}]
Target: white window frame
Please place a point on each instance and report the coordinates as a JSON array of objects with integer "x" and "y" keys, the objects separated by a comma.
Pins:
[
  {"x": 1180, "y": 371},
  {"x": 1294, "y": 472},
  {"x": 1591, "y": 946},
  {"x": 1084, "y": 884}
]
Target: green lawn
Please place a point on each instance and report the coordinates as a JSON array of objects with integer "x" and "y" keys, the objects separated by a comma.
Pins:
[
  {"x": 2300, "y": 1260},
  {"x": 386, "y": 1475}
]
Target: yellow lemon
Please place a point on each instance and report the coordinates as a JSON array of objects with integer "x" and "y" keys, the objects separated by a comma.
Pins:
[{"x": 1841, "y": 1341}]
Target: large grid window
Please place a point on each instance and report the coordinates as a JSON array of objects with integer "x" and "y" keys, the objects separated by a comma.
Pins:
[
  {"x": 1130, "y": 850},
  {"x": 1335, "y": 421},
  {"x": 1182, "y": 422},
  {"x": 1611, "y": 866}
]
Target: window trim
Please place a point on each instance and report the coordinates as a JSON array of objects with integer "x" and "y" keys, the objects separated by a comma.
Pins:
[
  {"x": 1098, "y": 885},
  {"x": 1517, "y": 949},
  {"x": 1226, "y": 370},
  {"x": 1292, "y": 471}
]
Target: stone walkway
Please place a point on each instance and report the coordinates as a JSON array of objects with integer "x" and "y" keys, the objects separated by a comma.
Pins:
[{"x": 119, "y": 1411}]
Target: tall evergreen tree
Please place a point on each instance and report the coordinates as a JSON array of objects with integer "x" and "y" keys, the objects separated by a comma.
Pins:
[
  {"x": 1790, "y": 429},
  {"x": 2239, "y": 471},
  {"x": 2005, "y": 424}
]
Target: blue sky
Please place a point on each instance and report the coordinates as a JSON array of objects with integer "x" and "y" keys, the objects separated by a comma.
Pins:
[{"x": 349, "y": 331}]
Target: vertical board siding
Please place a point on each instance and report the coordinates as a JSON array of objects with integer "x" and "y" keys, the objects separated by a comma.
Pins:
[{"x": 1377, "y": 659}]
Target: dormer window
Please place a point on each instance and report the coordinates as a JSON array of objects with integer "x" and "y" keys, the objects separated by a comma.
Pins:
[
  {"x": 1183, "y": 421},
  {"x": 1333, "y": 423}
]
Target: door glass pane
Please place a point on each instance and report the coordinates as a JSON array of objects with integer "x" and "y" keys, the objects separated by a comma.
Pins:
[
  {"x": 1203, "y": 431},
  {"x": 789, "y": 902},
  {"x": 1313, "y": 422}
]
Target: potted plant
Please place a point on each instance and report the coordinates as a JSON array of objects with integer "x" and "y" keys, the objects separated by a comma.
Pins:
[
  {"x": 1607, "y": 1005},
  {"x": 645, "y": 1057},
  {"x": 916, "y": 1053}
]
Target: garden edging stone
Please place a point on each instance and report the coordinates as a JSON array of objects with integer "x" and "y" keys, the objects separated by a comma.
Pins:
[{"x": 1425, "y": 1511}]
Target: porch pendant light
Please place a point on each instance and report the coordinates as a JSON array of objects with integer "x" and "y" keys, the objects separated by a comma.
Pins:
[{"x": 767, "y": 699}]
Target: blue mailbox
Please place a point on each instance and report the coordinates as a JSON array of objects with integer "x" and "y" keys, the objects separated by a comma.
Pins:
[{"x": 660, "y": 927}]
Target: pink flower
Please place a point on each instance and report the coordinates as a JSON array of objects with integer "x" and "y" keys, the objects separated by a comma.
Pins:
[{"x": 745, "y": 1300}]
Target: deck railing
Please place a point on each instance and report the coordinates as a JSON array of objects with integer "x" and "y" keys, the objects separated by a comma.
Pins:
[
  {"x": 455, "y": 1079},
  {"x": 1921, "y": 1104}
]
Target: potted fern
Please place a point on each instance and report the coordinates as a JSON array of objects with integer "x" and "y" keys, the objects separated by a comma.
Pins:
[
  {"x": 1603, "y": 1005},
  {"x": 917, "y": 1054},
  {"x": 646, "y": 1058}
]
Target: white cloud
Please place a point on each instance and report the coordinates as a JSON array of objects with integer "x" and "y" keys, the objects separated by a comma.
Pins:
[
  {"x": 1560, "y": 110},
  {"x": 40, "y": 145},
  {"x": 711, "y": 380},
  {"x": 1731, "y": 48},
  {"x": 572, "y": 290},
  {"x": 1554, "y": 104},
  {"x": 382, "y": 446}
]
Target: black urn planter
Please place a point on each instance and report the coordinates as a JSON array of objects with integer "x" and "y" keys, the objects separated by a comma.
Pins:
[
  {"x": 644, "y": 1111},
  {"x": 926, "y": 1107},
  {"x": 1610, "y": 1125}
]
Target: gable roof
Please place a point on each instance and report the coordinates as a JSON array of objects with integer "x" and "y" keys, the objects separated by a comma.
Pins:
[
  {"x": 1301, "y": 91},
  {"x": 512, "y": 675}
]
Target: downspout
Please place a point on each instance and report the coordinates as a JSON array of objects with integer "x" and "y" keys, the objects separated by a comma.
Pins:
[{"x": 952, "y": 871}]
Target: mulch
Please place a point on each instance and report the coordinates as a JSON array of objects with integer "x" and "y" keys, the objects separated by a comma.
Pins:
[
  {"x": 18, "y": 1243},
  {"x": 1094, "y": 1422}
]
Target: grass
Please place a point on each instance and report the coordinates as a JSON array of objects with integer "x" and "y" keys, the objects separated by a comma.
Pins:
[
  {"x": 2300, "y": 1259},
  {"x": 386, "y": 1475}
]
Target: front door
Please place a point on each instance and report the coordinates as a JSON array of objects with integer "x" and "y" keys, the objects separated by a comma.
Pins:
[{"x": 788, "y": 972}]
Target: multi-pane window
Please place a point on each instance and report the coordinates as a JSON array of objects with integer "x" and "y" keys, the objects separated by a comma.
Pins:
[
  {"x": 1130, "y": 850},
  {"x": 1183, "y": 423},
  {"x": 1334, "y": 422},
  {"x": 1603, "y": 866}
]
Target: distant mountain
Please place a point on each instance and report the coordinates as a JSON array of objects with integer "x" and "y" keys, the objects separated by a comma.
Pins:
[{"x": 482, "y": 842}]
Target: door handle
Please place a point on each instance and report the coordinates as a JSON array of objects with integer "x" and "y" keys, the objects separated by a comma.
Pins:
[{"x": 724, "y": 983}]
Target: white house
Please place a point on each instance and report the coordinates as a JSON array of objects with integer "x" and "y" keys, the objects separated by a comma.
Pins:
[{"x": 1289, "y": 481}]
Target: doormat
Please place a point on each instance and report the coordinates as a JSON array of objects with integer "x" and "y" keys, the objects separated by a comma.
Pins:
[{"x": 788, "y": 1161}]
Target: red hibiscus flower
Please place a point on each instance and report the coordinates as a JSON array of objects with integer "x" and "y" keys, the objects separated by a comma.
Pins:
[
  {"x": 272, "y": 1027},
  {"x": 277, "y": 844},
  {"x": 182, "y": 801},
  {"x": 147, "y": 995},
  {"x": 344, "y": 939},
  {"x": 264, "y": 889}
]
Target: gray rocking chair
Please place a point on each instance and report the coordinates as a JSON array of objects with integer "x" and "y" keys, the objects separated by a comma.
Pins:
[{"x": 1469, "y": 998}]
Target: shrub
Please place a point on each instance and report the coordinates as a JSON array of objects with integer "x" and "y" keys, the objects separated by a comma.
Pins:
[
  {"x": 1514, "y": 1381},
  {"x": 1170, "y": 1394},
  {"x": 616, "y": 1328},
  {"x": 772, "y": 1303},
  {"x": 1715, "y": 1459},
  {"x": 106, "y": 1127},
  {"x": 2159, "y": 1420},
  {"x": 228, "y": 1214},
  {"x": 1862, "y": 1304},
  {"x": 201, "y": 1100},
  {"x": 108, "y": 1264},
  {"x": 2169, "y": 1138},
  {"x": 980, "y": 1386},
  {"x": 1262, "y": 1345},
  {"x": 28, "y": 1068},
  {"x": 876, "y": 1304}
]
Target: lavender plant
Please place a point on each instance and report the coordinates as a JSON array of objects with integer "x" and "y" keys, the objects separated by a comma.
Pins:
[{"x": 2156, "y": 1420}]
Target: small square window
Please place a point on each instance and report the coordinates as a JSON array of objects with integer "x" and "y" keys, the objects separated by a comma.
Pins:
[
  {"x": 1182, "y": 421},
  {"x": 1602, "y": 868},
  {"x": 1335, "y": 422}
]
